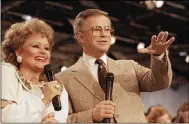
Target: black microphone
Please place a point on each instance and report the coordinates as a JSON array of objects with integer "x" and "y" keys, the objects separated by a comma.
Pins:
[
  {"x": 48, "y": 69},
  {"x": 109, "y": 79}
]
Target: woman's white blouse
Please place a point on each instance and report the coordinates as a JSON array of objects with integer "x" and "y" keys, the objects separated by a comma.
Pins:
[{"x": 29, "y": 106}]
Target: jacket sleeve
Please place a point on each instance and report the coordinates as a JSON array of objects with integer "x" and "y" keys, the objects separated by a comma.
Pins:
[{"x": 158, "y": 77}]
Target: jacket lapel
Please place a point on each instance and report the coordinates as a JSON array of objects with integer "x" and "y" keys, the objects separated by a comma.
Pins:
[
  {"x": 84, "y": 76},
  {"x": 115, "y": 69}
]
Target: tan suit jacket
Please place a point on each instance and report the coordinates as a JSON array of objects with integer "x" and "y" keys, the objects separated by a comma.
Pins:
[{"x": 130, "y": 79}]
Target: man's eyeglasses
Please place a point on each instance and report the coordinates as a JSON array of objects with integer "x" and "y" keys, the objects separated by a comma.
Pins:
[{"x": 97, "y": 31}]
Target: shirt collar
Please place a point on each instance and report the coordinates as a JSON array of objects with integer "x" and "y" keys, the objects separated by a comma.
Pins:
[{"x": 89, "y": 60}]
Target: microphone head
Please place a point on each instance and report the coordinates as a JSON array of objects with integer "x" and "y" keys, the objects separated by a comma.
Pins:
[
  {"x": 109, "y": 76},
  {"x": 48, "y": 67}
]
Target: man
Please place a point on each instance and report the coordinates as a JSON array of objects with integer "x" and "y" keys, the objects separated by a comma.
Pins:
[{"x": 83, "y": 80}]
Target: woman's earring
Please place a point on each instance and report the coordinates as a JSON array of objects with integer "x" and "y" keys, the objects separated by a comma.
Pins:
[{"x": 19, "y": 59}]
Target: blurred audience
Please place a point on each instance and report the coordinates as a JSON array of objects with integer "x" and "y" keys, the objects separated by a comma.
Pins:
[
  {"x": 182, "y": 114},
  {"x": 158, "y": 114}
]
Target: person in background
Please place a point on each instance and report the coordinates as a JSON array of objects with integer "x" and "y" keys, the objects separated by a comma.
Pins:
[
  {"x": 26, "y": 97},
  {"x": 158, "y": 114},
  {"x": 182, "y": 113},
  {"x": 85, "y": 83}
]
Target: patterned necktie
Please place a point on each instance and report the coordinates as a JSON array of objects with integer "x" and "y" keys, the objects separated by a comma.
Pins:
[{"x": 101, "y": 73}]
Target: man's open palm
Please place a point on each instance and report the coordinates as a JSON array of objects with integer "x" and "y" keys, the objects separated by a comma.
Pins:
[{"x": 159, "y": 44}]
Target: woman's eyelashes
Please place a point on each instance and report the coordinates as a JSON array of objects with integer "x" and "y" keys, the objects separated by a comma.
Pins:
[
  {"x": 37, "y": 46},
  {"x": 47, "y": 48}
]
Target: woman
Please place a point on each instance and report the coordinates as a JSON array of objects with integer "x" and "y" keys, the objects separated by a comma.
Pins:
[
  {"x": 25, "y": 98},
  {"x": 158, "y": 114},
  {"x": 182, "y": 113}
]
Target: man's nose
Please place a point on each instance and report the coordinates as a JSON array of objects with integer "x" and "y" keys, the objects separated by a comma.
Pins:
[{"x": 102, "y": 33}]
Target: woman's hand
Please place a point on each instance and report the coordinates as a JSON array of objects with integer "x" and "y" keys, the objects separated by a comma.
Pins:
[
  {"x": 4, "y": 103},
  {"x": 49, "y": 118},
  {"x": 51, "y": 89}
]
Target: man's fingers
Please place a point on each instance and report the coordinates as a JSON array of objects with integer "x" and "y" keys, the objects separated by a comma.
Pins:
[
  {"x": 158, "y": 44},
  {"x": 143, "y": 50},
  {"x": 108, "y": 102},
  {"x": 164, "y": 39},
  {"x": 160, "y": 36},
  {"x": 108, "y": 112},
  {"x": 153, "y": 39},
  {"x": 108, "y": 116},
  {"x": 108, "y": 107},
  {"x": 170, "y": 41}
]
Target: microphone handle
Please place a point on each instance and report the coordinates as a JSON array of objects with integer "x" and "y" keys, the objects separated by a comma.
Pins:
[
  {"x": 108, "y": 96},
  {"x": 56, "y": 103},
  {"x": 106, "y": 120},
  {"x": 56, "y": 99}
]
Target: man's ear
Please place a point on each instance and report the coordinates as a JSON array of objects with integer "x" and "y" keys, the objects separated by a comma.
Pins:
[{"x": 79, "y": 37}]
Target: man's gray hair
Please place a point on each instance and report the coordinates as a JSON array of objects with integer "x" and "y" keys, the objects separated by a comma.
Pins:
[{"x": 80, "y": 18}]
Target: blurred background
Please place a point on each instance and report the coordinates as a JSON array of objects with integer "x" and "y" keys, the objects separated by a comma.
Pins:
[{"x": 134, "y": 23}]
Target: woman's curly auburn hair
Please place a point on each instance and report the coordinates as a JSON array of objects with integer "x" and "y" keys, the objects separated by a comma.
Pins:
[{"x": 17, "y": 34}]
